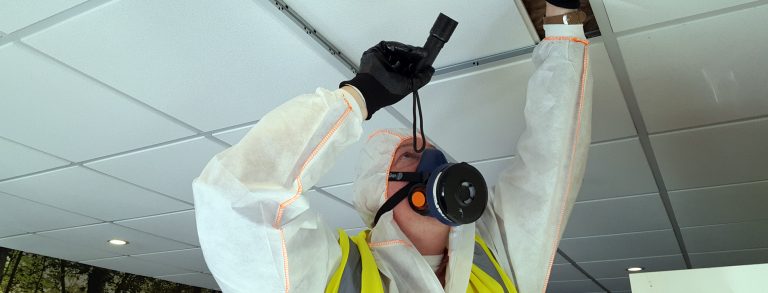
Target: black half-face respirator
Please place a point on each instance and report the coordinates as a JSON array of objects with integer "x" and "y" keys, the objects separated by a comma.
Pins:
[{"x": 453, "y": 193}]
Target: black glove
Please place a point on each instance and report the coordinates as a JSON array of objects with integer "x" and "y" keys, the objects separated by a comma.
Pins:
[
  {"x": 387, "y": 74},
  {"x": 569, "y": 4}
]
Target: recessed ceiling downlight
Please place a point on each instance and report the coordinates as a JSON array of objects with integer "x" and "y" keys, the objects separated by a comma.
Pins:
[
  {"x": 118, "y": 242},
  {"x": 635, "y": 269}
]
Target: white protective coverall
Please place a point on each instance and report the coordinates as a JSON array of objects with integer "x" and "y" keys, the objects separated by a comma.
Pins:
[{"x": 259, "y": 234}]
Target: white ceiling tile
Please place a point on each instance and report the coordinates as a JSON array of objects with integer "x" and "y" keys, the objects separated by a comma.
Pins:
[
  {"x": 629, "y": 14},
  {"x": 89, "y": 193},
  {"x": 617, "y": 215},
  {"x": 16, "y": 159},
  {"x": 501, "y": 23},
  {"x": 580, "y": 286},
  {"x": 565, "y": 272},
  {"x": 135, "y": 266},
  {"x": 344, "y": 170},
  {"x": 54, "y": 248},
  {"x": 736, "y": 236},
  {"x": 180, "y": 226},
  {"x": 729, "y": 258},
  {"x": 610, "y": 116},
  {"x": 97, "y": 236},
  {"x": 721, "y": 204},
  {"x": 618, "y": 268},
  {"x": 476, "y": 115},
  {"x": 615, "y": 169},
  {"x": 688, "y": 80},
  {"x": 716, "y": 155},
  {"x": 620, "y": 246},
  {"x": 213, "y": 64},
  {"x": 168, "y": 169},
  {"x": 233, "y": 136},
  {"x": 6, "y": 230},
  {"x": 34, "y": 217},
  {"x": 71, "y": 116},
  {"x": 189, "y": 259},
  {"x": 16, "y": 14},
  {"x": 491, "y": 169},
  {"x": 195, "y": 279},
  {"x": 336, "y": 214},
  {"x": 344, "y": 192},
  {"x": 616, "y": 284}
]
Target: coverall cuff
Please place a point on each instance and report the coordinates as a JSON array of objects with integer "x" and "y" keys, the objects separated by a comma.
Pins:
[
  {"x": 564, "y": 30},
  {"x": 356, "y": 106}
]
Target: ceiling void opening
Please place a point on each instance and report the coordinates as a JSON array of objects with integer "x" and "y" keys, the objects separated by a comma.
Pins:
[{"x": 536, "y": 9}]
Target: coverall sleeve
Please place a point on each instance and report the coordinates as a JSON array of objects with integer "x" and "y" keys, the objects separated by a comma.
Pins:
[
  {"x": 256, "y": 229},
  {"x": 534, "y": 196}
]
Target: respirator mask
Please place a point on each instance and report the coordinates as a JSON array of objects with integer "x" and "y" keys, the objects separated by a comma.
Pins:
[{"x": 453, "y": 193}]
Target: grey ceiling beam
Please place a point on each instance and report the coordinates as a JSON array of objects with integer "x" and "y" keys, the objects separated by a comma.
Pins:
[
  {"x": 581, "y": 270},
  {"x": 622, "y": 74}
]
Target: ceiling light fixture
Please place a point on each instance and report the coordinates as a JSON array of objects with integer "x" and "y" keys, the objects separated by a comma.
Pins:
[
  {"x": 635, "y": 269},
  {"x": 118, "y": 242}
]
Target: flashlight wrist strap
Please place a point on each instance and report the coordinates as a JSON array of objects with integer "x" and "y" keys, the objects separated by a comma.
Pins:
[{"x": 392, "y": 202}]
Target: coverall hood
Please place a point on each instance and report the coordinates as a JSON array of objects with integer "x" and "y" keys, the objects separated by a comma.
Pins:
[{"x": 391, "y": 247}]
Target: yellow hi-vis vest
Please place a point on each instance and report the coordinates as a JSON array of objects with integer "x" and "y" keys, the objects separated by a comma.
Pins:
[{"x": 358, "y": 271}]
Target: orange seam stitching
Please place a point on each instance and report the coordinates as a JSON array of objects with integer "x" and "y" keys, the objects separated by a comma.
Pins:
[
  {"x": 285, "y": 259},
  {"x": 388, "y": 243},
  {"x": 572, "y": 39},
  {"x": 573, "y": 154},
  {"x": 384, "y": 131},
  {"x": 296, "y": 196}
]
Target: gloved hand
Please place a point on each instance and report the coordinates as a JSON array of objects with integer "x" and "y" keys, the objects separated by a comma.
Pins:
[
  {"x": 569, "y": 4},
  {"x": 387, "y": 74}
]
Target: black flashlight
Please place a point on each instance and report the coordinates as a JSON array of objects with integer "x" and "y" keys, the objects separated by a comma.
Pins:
[{"x": 439, "y": 35}]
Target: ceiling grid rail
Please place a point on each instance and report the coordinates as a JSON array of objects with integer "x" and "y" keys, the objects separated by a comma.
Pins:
[
  {"x": 622, "y": 74},
  {"x": 581, "y": 270}
]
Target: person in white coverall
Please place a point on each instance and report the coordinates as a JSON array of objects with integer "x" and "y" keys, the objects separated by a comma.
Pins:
[{"x": 259, "y": 233}]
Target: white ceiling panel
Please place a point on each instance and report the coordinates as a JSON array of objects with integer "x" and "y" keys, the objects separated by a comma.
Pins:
[
  {"x": 344, "y": 171},
  {"x": 168, "y": 169},
  {"x": 580, "y": 286},
  {"x": 616, "y": 284},
  {"x": 16, "y": 159},
  {"x": 476, "y": 115},
  {"x": 491, "y": 169},
  {"x": 721, "y": 204},
  {"x": 618, "y": 268},
  {"x": 336, "y": 214},
  {"x": 617, "y": 215},
  {"x": 33, "y": 217},
  {"x": 616, "y": 169},
  {"x": 729, "y": 258},
  {"x": 501, "y": 23},
  {"x": 16, "y": 14},
  {"x": 213, "y": 64},
  {"x": 233, "y": 136},
  {"x": 54, "y": 248},
  {"x": 736, "y": 236},
  {"x": 620, "y": 246},
  {"x": 566, "y": 272},
  {"x": 89, "y": 193},
  {"x": 343, "y": 192},
  {"x": 195, "y": 279},
  {"x": 629, "y": 14},
  {"x": 7, "y": 230},
  {"x": 136, "y": 266},
  {"x": 715, "y": 155},
  {"x": 688, "y": 80},
  {"x": 189, "y": 259},
  {"x": 97, "y": 236},
  {"x": 610, "y": 116},
  {"x": 180, "y": 226},
  {"x": 71, "y": 116}
]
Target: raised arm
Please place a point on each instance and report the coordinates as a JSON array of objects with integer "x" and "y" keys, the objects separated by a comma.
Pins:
[
  {"x": 534, "y": 197},
  {"x": 255, "y": 226}
]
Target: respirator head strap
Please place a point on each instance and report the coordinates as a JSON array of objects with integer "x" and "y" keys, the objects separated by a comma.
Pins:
[
  {"x": 392, "y": 202},
  {"x": 408, "y": 176}
]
